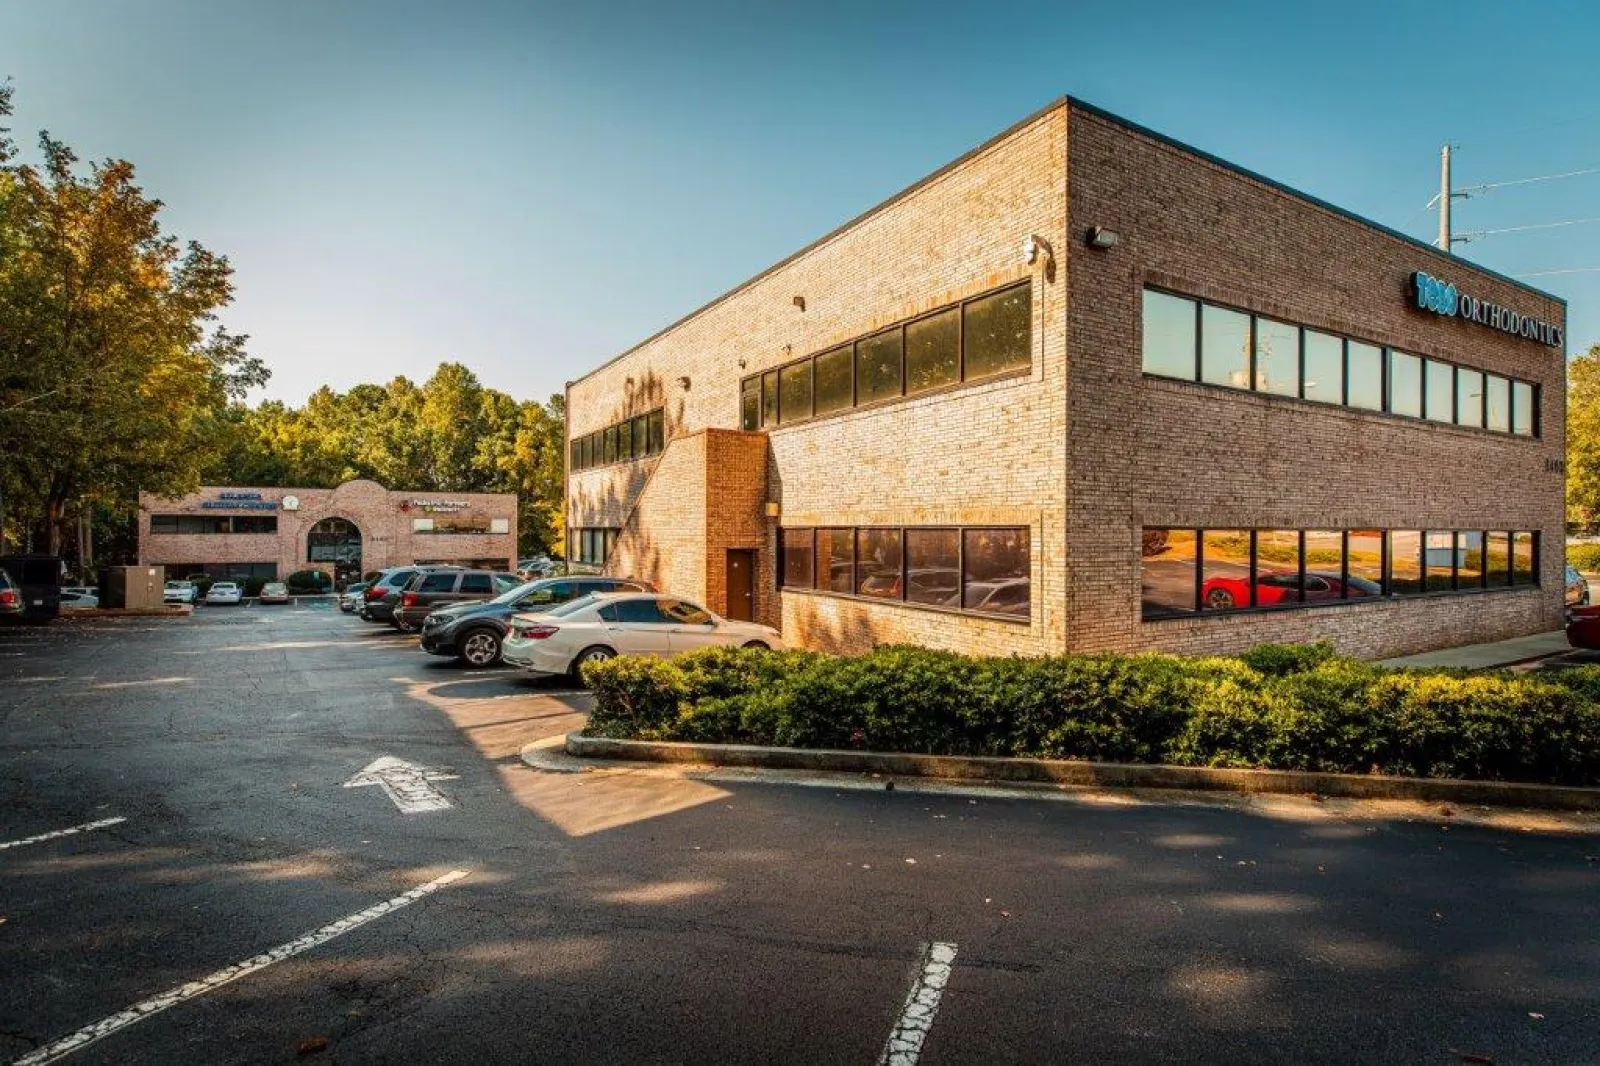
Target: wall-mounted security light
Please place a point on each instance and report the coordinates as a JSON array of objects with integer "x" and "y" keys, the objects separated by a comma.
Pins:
[
  {"x": 1035, "y": 247},
  {"x": 774, "y": 509},
  {"x": 800, "y": 302},
  {"x": 1102, "y": 238},
  {"x": 684, "y": 381}
]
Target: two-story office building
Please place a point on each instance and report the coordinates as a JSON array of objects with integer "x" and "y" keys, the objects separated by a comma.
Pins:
[
  {"x": 1086, "y": 388},
  {"x": 237, "y": 533}
]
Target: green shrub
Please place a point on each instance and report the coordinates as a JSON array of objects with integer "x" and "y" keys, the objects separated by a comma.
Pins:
[
  {"x": 1281, "y": 660},
  {"x": 1585, "y": 557},
  {"x": 1285, "y": 706},
  {"x": 309, "y": 582},
  {"x": 635, "y": 696}
]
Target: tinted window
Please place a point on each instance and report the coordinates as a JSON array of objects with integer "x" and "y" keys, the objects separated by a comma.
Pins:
[
  {"x": 567, "y": 610},
  {"x": 1364, "y": 376},
  {"x": 558, "y": 592},
  {"x": 1226, "y": 585},
  {"x": 1169, "y": 335},
  {"x": 1522, "y": 408},
  {"x": 1438, "y": 556},
  {"x": 657, "y": 432},
  {"x": 1469, "y": 559},
  {"x": 878, "y": 366},
  {"x": 636, "y": 612},
  {"x": 797, "y": 558},
  {"x": 1524, "y": 559},
  {"x": 878, "y": 563},
  {"x": 933, "y": 351},
  {"x": 1405, "y": 384},
  {"x": 933, "y": 566},
  {"x": 1277, "y": 566},
  {"x": 1469, "y": 396},
  {"x": 794, "y": 392},
  {"x": 476, "y": 583},
  {"x": 836, "y": 555},
  {"x": 684, "y": 614},
  {"x": 611, "y": 445},
  {"x": 995, "y": 573},
  {"x": 505, "y": 582},
  {"x": 1277, "y": 357},
  {"x": 750, "y": 404},
  {"x": 624, "y": 441},
  {"x": 834, "y": 382},
  {"x": 1499, "y": 559},
  {"x": 996, "y": 332},
  {"x": 401, "y": 578},
  {"x": 1167, "y": 565},
  {"x": 1366, "y": 562},
  {"x": 1324, "y": 555},
  {"x": 1224, "y": 347},
  {"x": 1439, "y": 391},
  {"x": 437, "y": 583},
  {"x": 1497, "y": 395},
  {"x": 1324, "y": 367},
  {"x": 769, "y": 398}
]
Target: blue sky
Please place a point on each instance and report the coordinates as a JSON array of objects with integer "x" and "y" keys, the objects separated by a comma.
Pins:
[{"x": 529, "y": 188}]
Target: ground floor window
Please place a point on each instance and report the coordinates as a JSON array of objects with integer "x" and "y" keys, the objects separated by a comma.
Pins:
[
  {"x": 1207, "y": 571},
  {"x": 594, "y": 544},
  {"x": 982, "y": 570},
  {"x": 221, "y": 571}
]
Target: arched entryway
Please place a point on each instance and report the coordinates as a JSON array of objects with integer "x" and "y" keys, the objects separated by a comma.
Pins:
[{"x": 336, "y": 541}]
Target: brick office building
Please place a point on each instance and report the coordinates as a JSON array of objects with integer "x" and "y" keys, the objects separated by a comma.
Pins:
[
  {"x": 358, "y": 527},
  {"x": 1086, "y": 388}
]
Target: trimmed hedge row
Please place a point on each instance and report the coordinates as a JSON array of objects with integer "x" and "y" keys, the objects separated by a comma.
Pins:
[
  {"x": 1293, "y": 707},
  {"x": 1585, "y": 557}
]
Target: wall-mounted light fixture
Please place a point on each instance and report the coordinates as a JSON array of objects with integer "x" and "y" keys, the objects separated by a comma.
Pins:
[
  {"x": 742, "y": 363},
  {"x": 1033, "y": 248},
  {"x": 774, "y": 509},
  {"x": 1102, "y": 238},
  {"x": 684, "y": 381},
  {"x": 630, "y": 381},
  {"x": 800, "y": 302}
]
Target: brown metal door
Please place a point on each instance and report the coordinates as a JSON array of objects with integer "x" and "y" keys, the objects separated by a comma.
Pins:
[{"x": 742, "y": 586}]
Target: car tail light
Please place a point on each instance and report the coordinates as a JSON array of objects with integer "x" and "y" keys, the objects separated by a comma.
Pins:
[
  {"x": 375, "y": 592},
  {"x": 8, "y": 598},
  {"x": 408, "y": 599},
  {"x": 535, "y": 631}
]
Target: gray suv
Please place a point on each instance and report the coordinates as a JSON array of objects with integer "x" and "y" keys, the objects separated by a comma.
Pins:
[
  {"x": 473, "y": 632},
  {"x": 439, "y": 588}
]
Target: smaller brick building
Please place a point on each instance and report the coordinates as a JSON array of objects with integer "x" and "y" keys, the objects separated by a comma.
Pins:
[
  {"x": 231, "y": 532},
  {"x": 1087, "y": 388}
]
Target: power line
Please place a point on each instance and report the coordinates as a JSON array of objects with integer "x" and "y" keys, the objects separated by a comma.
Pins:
[
  {"x": 1468, "y": 190},
  {"x": 1461, "y": 238},
  {"x": 1548, "y": 273}
]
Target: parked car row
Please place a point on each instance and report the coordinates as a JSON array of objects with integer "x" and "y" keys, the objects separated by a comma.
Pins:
[{"x": 547, "y": 625}]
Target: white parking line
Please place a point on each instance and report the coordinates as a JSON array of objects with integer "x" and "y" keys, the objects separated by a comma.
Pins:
[
  {"x": 89, "y": 1034},
  {"x": 922, "y": 1003},
  {"x": 69, "y": 831}
]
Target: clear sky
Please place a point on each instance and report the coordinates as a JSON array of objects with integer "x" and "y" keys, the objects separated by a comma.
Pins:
[{"x": 531, "y": 187}]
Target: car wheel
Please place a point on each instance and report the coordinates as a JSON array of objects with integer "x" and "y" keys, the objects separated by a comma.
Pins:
[
  {"x": 758, "y": 645},
  {"x": 596, "y": 654},
  {"x": 403, "y": 626},
  {"x": 1220, "y": 600},
  {"x": 481, "y": 647}
]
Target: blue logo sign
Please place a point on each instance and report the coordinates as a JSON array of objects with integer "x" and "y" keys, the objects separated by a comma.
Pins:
[{"x": 1445, "y": 299}]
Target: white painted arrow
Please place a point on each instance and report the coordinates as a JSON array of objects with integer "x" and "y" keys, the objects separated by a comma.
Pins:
[{"x": 406, "y": 783}]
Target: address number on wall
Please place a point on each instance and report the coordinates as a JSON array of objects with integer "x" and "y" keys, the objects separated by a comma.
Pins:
[{"x": 1555, "y": 466}]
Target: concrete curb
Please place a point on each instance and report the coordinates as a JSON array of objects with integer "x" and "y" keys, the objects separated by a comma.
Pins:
[
  {"x": 175, "y": 611},
  {"x": 1094, "y": 774}
]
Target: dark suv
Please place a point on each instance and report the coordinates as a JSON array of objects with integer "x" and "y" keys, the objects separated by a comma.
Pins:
[
  {"x": 472, "y": 632},
  {"x": 379, "y": 601},
  {"x": 440, "y": 588}
]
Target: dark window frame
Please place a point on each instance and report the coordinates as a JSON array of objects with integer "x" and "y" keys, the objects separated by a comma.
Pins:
[
  {"x": 1388, "y": 353},
  {"x": 902, "y": 601},
  {"x": 1386, "y": 585},
  {"x": 902, "y": 395},
  {"x": 589, "y": 450}
]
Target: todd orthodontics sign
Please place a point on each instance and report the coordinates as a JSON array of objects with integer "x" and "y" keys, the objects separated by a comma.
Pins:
[{"x": 1431, "y": 294}]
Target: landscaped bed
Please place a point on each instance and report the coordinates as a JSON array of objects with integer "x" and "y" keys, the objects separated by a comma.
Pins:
[{"x": 1289, "y": 707}]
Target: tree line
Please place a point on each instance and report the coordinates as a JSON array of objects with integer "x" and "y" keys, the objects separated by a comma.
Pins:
[{"x": 117, "y": 376}]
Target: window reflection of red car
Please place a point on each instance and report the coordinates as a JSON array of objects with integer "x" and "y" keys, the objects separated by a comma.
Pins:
[{"x": 1277, "y": 587}]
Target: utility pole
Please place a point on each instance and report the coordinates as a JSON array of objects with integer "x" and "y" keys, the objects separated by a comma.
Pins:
[{"x": 1444, "y": 198}]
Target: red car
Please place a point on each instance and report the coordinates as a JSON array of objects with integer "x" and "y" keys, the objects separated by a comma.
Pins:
[
  {"x": 1277, "y": 587},
  {"x": 1583, "y": 627}
]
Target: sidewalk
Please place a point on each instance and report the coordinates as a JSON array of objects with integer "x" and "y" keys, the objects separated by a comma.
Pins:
[{"x": 1488, "y": 656}]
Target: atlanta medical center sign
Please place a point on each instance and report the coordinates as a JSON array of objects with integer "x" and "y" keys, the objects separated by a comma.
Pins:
[{"x": 1434, "y": 295}]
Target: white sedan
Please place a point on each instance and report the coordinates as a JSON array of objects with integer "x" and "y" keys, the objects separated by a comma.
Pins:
[
  {"x": 224, "y": 592},
  {"x": 178, "y": 592},
  {"x": 599, "y": 626}
]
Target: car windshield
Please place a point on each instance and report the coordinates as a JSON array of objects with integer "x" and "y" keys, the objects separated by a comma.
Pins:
[
  {"x": 572, "y": 607},
  {"x": 515, "y": 594}
]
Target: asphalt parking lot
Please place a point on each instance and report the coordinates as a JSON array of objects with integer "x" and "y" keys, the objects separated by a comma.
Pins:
[{"x": 279, "y": 833}]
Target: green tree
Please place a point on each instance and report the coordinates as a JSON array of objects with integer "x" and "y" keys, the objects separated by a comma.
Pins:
[
  {"x": 1583, "y": 440},
  {"x": 114, "y": 375}
]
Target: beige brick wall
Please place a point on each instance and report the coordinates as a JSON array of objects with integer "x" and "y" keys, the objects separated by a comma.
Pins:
[
  {"x": 984, "y": 453},
  {"x": 387, "y": 538},
  {"x": 1153, "y": 452}
]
